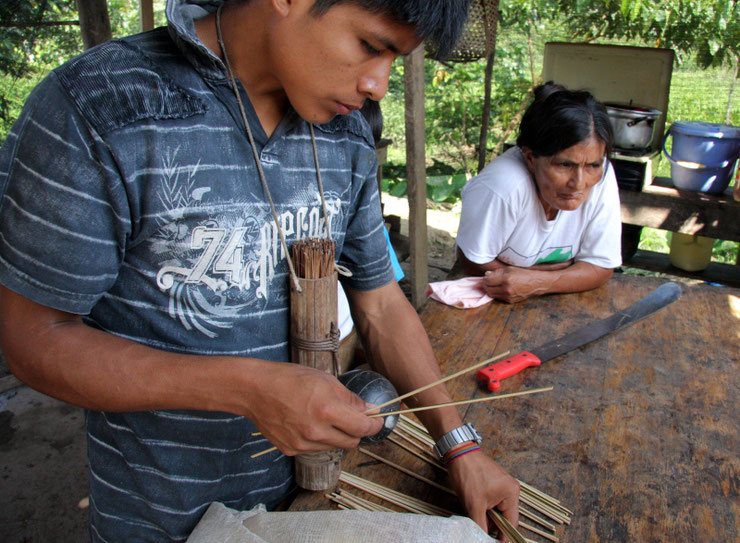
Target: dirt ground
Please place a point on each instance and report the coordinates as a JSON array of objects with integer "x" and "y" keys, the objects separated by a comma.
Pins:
[
  {"x": 42, "y": 440},
  {"x": 44, "y": 468},
  {"x": 442, "y": 222}
]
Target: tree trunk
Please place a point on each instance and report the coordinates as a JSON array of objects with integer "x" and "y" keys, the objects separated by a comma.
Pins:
[
  {"x": 736, "y": 66},
  {"x": 491, "y": 25},
  {"x": 146, "y": 15},
  {"x": 483, "y": 141},
  {"x": 94, "y": 22}
]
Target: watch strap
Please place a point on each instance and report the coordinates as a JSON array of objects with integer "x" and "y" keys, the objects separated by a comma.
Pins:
[{"x": 461, "y": 434}]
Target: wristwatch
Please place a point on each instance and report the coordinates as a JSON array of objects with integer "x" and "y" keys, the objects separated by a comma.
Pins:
[{"x": 464, "y": 433}]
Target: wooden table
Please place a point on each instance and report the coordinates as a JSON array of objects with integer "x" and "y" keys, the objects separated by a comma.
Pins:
[{"x": 640, "y": 436}]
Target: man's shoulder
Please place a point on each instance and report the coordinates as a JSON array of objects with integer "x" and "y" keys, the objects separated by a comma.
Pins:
[{"x": 123, "y": 81}]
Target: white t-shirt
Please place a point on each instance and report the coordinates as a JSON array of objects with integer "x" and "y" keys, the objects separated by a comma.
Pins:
[
  {"x": 346, "y": 324},
  {"x": 503, "y": 218}
]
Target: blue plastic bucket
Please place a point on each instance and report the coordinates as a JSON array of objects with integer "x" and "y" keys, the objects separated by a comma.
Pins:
[{"x": 703, "y": 155}]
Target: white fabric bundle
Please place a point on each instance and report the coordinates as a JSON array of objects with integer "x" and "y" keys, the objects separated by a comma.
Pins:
[{"x": 223, "y": 525}]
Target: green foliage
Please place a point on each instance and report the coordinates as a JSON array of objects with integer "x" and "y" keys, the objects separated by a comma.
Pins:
[
  {"x": 29, "y": 53},
  {"x": 654, "y": 240},
  {"x": 659, "y": 241},
  {"x": 445, "y": 188},
  {"x": 454, "y": 127},
  {"x": 707, "y": 30},
  {"x": 28, "y": 39},
  {"x": 443, "y": 184},
  {"x": 124, "y": 16}
]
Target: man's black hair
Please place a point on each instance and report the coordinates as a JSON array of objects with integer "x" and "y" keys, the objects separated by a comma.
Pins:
[
  {"x": 439, "y": 22},
  {"x": 559, "y": 118}
]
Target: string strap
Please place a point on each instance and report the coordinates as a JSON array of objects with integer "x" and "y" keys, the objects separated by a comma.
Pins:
[
  {"x": 294, "y": 276},
  {"x": 328, "y": 344},
  {"x": 257, "y": 161}
]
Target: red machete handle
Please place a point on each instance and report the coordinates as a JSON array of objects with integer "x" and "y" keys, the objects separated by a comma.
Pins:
[{"x": 497, "y": 372}]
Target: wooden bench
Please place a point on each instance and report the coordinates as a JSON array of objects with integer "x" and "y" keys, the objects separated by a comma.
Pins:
[{"x": 660, "y": 205}]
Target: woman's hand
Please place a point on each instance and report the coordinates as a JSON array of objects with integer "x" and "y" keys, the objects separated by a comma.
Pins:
[{"x": 512, "y": 284}]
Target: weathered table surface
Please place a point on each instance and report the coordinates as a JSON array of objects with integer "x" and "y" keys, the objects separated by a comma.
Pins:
[{"x": 640, "y": 437}]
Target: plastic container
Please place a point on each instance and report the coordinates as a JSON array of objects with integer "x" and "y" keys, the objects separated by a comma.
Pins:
[
  {"x": 703, "y": 155},
  {"x": 691, "y": 253}
]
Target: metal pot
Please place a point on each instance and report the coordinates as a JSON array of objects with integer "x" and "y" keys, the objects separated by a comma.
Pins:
[{"x": 633, "y": 125}]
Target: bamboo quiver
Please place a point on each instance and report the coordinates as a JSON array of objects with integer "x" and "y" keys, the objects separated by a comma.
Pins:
[{"x": 314, "y": 337}]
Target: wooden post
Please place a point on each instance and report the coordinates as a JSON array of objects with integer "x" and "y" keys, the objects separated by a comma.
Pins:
[
  {"x": 94, "y": 22},
  {"x": 146, "y": 15},
  {"x": 491, "y": 28},
  {"x": 416, "y": 173}
]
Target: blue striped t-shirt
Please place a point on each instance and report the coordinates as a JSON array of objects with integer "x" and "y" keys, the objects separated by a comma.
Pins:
[{"x": 130, "y": 196}]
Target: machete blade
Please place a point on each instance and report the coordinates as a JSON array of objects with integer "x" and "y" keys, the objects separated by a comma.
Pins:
[{"x": 661, "y": 297}]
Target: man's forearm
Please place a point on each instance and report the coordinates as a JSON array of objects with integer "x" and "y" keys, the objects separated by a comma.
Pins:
[
  {"x": 398, "y": 347},
  {"x": 57, "y": 354}
]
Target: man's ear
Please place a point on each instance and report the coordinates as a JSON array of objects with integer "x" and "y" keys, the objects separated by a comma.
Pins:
[{"x": 284, "y": 7}]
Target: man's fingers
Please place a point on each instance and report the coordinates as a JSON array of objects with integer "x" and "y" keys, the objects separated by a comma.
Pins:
[
  {"x": 510, "y": 510},
  {"x": 354, "y": 422},
  {"x": 480, "y": 517}
]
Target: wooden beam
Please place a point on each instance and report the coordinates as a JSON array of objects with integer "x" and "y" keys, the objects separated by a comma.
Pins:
[
  {"x": 146, "y": 14},
  {"x": 416, "y": 173},
  {"x": 716, "y": 272}
]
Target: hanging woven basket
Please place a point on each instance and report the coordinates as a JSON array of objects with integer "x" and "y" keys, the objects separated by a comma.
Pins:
[{"x": 479, "y": 37}]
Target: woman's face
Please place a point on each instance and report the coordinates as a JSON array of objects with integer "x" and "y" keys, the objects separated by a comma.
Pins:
[{"x": 565, "y": 179}]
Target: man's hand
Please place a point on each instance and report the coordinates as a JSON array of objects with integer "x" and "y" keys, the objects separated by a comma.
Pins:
[
  {"x": 481, "y": 484},
  {"x": 298, "y": 409},
  {"x": 301, "y": 410}
]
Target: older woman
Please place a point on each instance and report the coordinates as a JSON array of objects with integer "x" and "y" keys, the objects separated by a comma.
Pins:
[{"x": 544, "y": 216}]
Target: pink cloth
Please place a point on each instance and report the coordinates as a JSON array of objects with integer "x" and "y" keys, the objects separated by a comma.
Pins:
[{"x": 462, "y": 293}]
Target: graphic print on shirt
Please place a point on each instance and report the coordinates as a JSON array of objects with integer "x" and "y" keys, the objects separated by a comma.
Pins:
[
  {"x": 232, "y": 250},
  {"x": 548, "y": 255}
]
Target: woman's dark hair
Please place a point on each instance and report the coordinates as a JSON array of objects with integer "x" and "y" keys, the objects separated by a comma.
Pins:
[
  {"x": 374, "y": 117},
  {"x": 559, "y": 118}
]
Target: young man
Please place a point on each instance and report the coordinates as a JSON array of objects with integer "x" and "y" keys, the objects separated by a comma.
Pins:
[{"x": 143, "y": 273}]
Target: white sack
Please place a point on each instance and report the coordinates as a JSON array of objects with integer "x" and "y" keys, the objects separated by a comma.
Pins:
[{"x": 223, "y": 525}]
